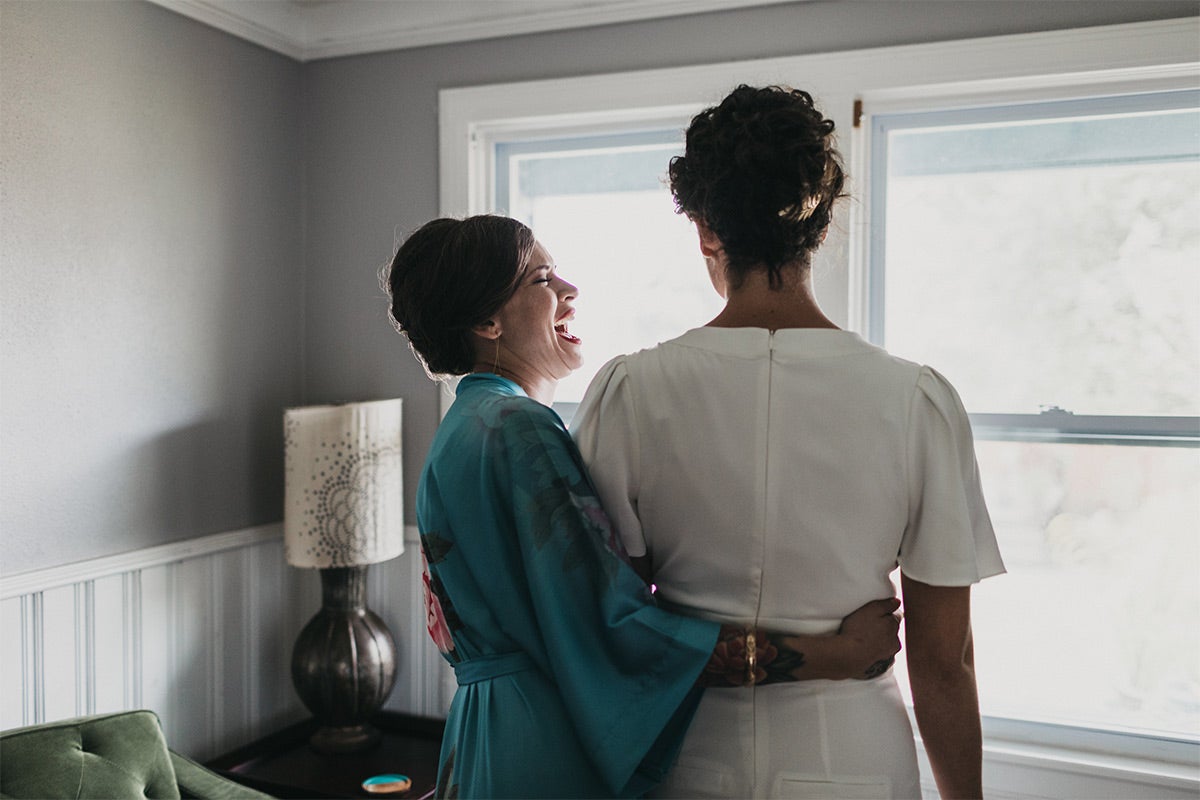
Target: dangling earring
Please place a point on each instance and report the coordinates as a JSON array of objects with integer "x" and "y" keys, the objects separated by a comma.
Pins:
[{"x": 496, "y": 363}]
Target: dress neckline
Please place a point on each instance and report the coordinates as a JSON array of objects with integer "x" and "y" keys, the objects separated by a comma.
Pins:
[{"x": 792, "y": 342}]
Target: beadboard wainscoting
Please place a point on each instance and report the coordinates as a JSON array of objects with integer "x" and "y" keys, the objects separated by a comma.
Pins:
[{"x": 199, "y": 631}]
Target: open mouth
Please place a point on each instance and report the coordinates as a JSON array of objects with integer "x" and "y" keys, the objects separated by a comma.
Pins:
[{"x": 563, "y": 333}]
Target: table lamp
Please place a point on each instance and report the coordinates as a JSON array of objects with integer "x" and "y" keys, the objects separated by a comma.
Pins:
[{"x": 343, "y": 511}]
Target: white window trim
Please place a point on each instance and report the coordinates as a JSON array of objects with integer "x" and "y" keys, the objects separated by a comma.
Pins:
[
  {"x": 1135, "y": 57},
  {"x": 1149, "y": 50}
]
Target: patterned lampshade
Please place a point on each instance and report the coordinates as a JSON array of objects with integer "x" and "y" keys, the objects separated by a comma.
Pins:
[{"x": 344, "y": 493}]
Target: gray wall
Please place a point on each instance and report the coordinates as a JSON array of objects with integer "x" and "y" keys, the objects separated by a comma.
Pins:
[
  {"x": 190, "y": 229},
  {"x": 373, "y": 156},
  {"x": 151, "y": 268}
]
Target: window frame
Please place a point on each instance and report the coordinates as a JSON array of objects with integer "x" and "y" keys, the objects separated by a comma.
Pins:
[
  {"x": 650, "y": 133},
  {"x": 850, "y": 87},
  {"x": 1053, "y": 424},
  {"x": 516, "y": 144},
  {"x": 472, "y": 184}
]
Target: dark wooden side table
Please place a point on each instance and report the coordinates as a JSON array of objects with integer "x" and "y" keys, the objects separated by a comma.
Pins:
[{"x": 283, "y": 765}]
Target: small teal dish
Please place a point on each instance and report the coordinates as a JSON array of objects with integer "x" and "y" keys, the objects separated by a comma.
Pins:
[{"x": 387, "y": 784}]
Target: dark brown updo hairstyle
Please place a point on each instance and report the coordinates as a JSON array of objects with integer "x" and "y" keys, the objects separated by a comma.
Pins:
[
  {"x": 447, "y": 277},
  {"x": 760, "y": 170}
]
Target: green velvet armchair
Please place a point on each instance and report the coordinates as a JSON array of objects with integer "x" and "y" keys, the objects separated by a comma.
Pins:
[{"x": 121, "y": 755}]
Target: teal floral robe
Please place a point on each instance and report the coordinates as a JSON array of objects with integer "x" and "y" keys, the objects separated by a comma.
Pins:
[{"x": 572, "y": 683}]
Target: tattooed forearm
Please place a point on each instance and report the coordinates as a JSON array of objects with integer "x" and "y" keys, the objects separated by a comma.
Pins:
[
  {"x": 853, "y": 653},
  {"x": 775, "y": 660},
  {"x": 727, "y": 665},
  {"x": 778, "y": 659},
  {"x": 879, "y": 667}
]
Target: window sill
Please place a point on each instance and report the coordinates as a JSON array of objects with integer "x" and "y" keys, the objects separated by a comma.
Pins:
[{"x": 1028, "y": 759}]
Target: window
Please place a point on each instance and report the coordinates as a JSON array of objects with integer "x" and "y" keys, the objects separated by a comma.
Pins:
[
  {"x": 1046, "y": 258},
  {"x": 601, "y": 206},
  {"x": 1096, "y": 508}
]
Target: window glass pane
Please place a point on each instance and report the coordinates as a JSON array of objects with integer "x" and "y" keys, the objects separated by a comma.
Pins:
[
  {"x": 1095, "y": 622},
  {"x": 602, "y": 208},
  {"x": 1049, "y": 255},
  {"x": 1049, "y": 261}
]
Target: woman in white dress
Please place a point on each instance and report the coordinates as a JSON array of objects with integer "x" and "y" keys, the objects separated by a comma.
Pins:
[{"x": 771, "y": 470}]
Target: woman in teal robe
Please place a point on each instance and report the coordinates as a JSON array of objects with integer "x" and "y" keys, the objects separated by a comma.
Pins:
[
  {"x": 554, "y": 639},
  {"x": 572, "y": 682}
]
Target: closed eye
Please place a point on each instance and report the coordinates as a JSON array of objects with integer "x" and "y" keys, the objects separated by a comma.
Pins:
[{"x": 543, "y": 274}]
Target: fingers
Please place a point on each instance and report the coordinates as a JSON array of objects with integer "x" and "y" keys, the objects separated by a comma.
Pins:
[{"x": 887, "y": 605}]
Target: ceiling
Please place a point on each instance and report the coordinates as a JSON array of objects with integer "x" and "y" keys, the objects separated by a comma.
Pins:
[{"x": 312, "y": 29}]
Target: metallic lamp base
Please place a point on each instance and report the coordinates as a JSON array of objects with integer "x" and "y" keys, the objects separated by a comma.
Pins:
[{"x": 344, "y": 663}]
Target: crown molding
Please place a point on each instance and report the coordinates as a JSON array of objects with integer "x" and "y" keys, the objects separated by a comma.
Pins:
[
  {"x": 277, "y": 26},
  {"x": 305, "y": 30}
]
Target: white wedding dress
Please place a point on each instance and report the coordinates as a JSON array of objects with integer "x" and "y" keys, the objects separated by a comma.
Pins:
[{"x": 778, "y": 479}]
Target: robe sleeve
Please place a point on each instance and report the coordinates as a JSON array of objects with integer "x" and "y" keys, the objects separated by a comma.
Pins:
[
  {"x": 948, "y": 539},
  {"x": 625, "y": 668},
  {"x": 605, "y": 429}
]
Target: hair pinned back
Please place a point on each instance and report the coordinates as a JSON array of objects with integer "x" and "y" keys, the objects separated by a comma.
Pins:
[
  {"x": 761, "y": 171},
  {"x": 449, "y": 276}
]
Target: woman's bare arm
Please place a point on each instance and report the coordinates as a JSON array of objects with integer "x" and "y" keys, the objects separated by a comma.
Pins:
[
  {"x": 941, "y": 671},
  {"x": 864, "y": 647}
]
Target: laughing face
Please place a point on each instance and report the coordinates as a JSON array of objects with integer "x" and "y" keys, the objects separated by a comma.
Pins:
[{"x": 536, "y": 347}]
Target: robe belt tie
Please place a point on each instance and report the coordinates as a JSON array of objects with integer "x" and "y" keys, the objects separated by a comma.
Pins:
[{"x": 484, "y": 668}]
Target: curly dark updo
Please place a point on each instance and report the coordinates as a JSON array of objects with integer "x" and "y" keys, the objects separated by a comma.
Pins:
[
  {"x": 447, "y": 277},
  {"x": 761, "y": 171}
]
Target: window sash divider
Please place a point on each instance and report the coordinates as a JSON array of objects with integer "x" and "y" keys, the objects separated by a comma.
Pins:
[{"x": 1066, "y": 428}]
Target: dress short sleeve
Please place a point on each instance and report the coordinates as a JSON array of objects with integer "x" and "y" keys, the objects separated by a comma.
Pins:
[
  {"x": 606, "y": 432},
  {"x": 948, "y": 540}
]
